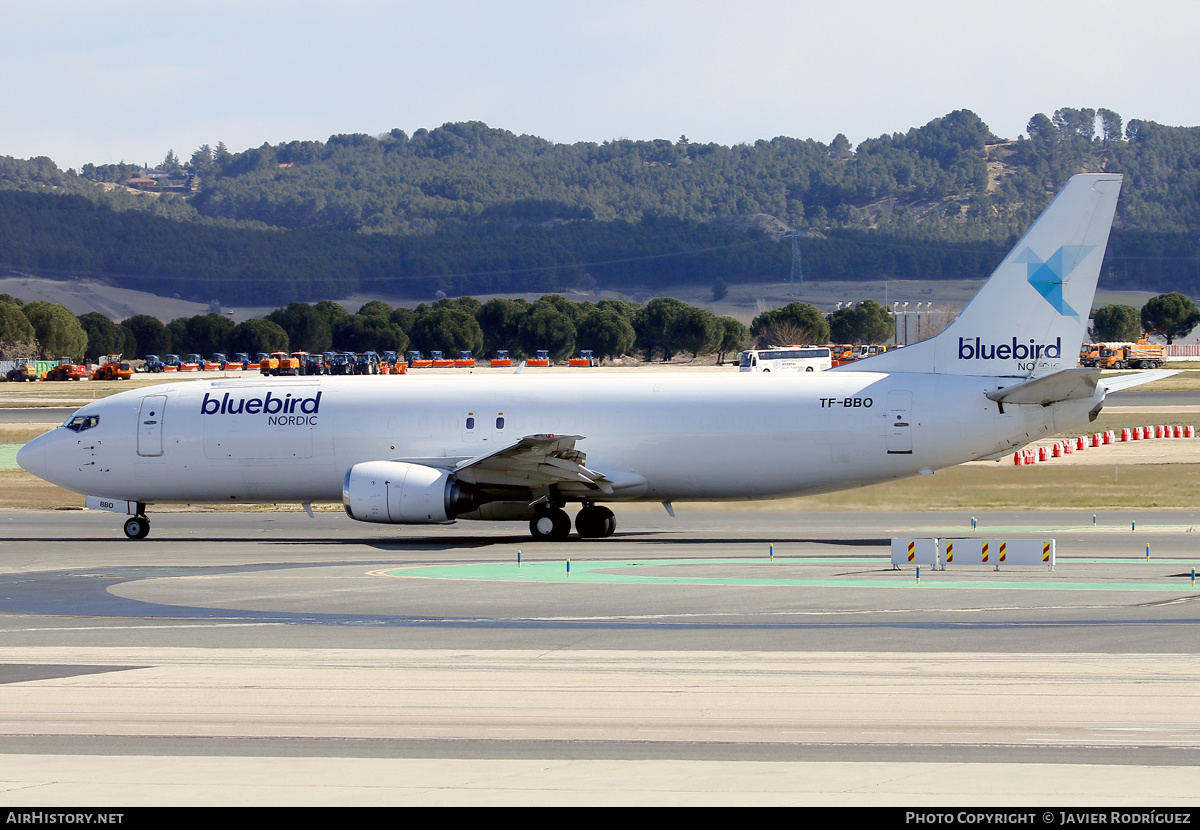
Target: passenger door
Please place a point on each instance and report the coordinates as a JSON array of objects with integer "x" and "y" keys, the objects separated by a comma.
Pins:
[{"x": 150, "y": 422}]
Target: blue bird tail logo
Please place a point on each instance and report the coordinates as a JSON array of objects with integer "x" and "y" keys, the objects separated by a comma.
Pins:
[{"x": 1048, "y": 277}]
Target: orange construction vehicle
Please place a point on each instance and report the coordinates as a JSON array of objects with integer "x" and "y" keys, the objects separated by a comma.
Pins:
[
  {"x": 281, "y": 363},
  {"x": 66, "y": 369},
  {"x": 1089, "y": 353},
  {"x": 841, "y": 353},
  {"x": 1140, "y": 355},
  {"x": 112, "y": 367}
]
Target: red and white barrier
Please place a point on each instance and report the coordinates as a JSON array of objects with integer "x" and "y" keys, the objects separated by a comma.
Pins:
[{"x": 1066, "y": 446}]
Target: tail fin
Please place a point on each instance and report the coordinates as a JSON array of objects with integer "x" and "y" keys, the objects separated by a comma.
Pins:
[{"x": 1031, "y": 316}]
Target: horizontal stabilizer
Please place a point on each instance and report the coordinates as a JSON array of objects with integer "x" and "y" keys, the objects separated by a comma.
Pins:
[
  {"x": 1067, "y": 385},
  {"x": 1116, "y": 384}
]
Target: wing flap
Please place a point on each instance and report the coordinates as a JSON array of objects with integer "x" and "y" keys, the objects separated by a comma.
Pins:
[
  {"x": 533, "y": 461},
  {"x": 536, "y": 462}
]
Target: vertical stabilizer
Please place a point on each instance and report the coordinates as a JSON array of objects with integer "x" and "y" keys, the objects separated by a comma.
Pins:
[{"x": 1031, "y": 316}]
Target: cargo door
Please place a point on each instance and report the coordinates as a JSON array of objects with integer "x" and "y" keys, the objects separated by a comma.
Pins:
[
  {"x": 898, "y": 432},
  {"x": 150, "y": 422}
]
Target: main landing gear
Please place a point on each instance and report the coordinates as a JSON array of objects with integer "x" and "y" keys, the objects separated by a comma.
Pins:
[
  {"x": 137, "y": 527},
  {"x": 552, "y": 524}
]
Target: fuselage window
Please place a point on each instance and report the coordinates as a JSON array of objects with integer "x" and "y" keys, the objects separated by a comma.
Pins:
[
  {"x": 470, "y": 423},
  {"x": 500, "y": 422}
]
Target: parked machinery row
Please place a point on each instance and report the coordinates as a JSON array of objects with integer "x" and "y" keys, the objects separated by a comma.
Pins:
[
  {"x": 115, "y": 367},
  {"x": 110, "y": 367}
]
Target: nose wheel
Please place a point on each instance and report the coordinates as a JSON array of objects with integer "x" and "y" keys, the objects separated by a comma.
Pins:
[{"x": 137, "y": 527}]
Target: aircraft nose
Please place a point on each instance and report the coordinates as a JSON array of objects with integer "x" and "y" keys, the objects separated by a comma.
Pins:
[{"x": 32, "y": 457}]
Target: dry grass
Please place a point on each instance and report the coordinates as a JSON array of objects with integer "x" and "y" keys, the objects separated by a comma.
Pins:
[
  {"x": 1188, "y": 380},
  {"x": 20, "y": 489},
  {"x": 21, "y": 433},
  {"x": 1042, "y": 487}
]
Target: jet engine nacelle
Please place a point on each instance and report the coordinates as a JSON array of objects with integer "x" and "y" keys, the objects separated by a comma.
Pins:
[{"x": 395, "y": 492}]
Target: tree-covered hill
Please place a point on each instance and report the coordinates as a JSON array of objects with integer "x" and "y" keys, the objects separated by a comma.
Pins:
[{"x": 467, "y": 208}]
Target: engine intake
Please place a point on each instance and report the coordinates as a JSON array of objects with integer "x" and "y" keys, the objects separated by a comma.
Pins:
[{"x": 395, "y": 492}]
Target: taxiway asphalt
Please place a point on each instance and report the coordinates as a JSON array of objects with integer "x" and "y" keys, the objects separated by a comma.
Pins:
[{"x": 269, "y": 658}]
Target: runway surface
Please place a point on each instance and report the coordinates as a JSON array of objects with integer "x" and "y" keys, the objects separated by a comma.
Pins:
[{"x": 269, "y": 658}]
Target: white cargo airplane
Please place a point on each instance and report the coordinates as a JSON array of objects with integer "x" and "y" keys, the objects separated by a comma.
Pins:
[{"x": 428, "y": 450}]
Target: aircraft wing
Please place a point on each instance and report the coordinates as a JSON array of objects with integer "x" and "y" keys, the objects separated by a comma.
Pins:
[
  {"x": 534, "y": 461},
  {"x": 1071, "y": 384},
  {"x": 1066, "y": 385},
  {"x": 1116, "y": 384}
]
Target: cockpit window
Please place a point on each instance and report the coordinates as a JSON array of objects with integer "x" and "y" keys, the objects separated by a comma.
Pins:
[{"x": 79, "y": 423}]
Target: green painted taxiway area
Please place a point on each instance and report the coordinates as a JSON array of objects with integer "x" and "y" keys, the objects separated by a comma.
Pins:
[{"x": 8, "y": 456}]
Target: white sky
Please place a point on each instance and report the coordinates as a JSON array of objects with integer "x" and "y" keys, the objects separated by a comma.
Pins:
[{"x": 111, "y": 80}]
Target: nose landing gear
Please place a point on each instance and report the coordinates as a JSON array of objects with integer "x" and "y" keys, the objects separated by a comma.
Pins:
[{"x": 137, "y": 527}]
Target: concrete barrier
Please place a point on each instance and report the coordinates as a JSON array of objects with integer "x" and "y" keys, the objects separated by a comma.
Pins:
[
  {"x": 967, "y": 551},
  {"x": 997, "y": 552},
  {"x": 915, "y": 552}
]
